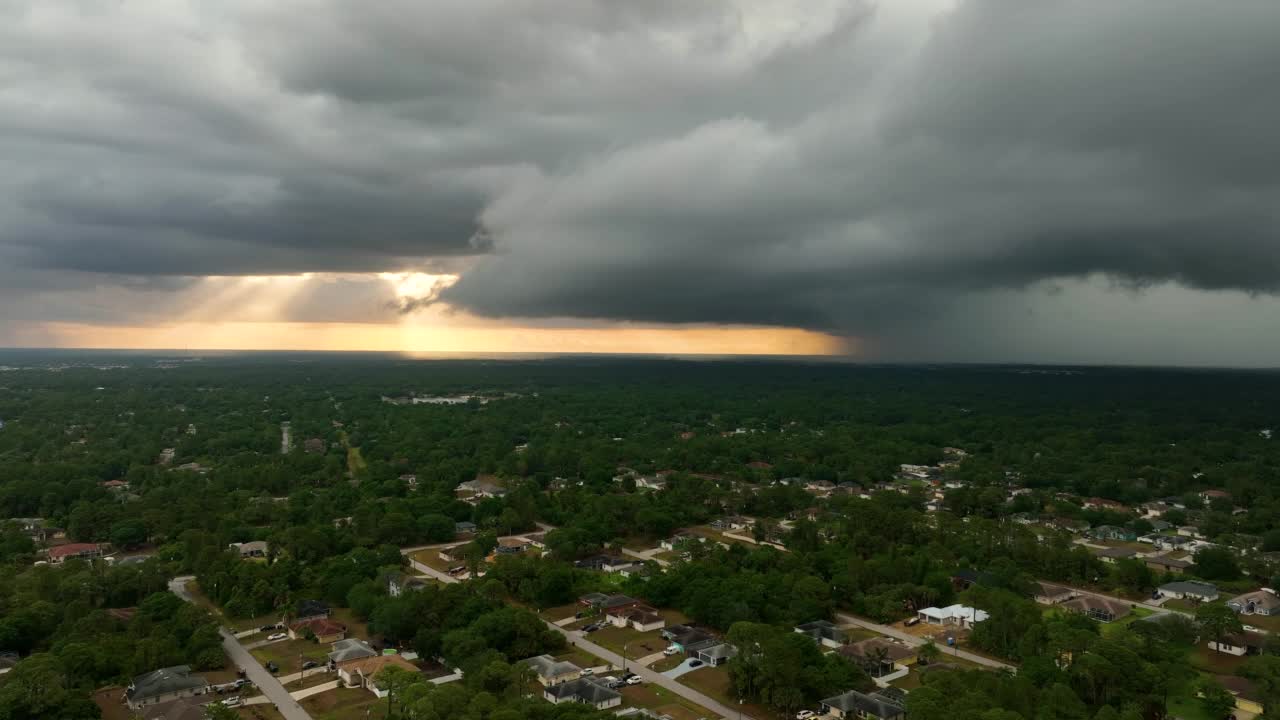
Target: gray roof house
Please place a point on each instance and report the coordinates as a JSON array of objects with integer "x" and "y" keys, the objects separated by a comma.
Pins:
[
  {"x": 551, "y": 671},
  {"x": 585, "y": 690},
  {"x": 1191, "y": 590},
  {"x": 854, "y": 704},
  {"x": 350, "y": 649},
  {"x": 717, "y": 654},
  {"x": 164, "y": 685},
  {"x": 822, "y": 632}
]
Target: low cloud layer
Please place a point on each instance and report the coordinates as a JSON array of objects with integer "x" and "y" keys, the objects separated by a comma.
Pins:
[{"x": 896, "y": 172}]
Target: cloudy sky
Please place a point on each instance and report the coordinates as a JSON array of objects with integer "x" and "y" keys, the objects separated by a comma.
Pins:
[{"x": 968, "y": 180}]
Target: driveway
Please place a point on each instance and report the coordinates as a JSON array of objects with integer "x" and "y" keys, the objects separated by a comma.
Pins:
[{"x": 684, "y": 667}]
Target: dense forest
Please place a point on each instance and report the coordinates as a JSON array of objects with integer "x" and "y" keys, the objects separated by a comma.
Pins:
[{"x": 373, "y": 463}]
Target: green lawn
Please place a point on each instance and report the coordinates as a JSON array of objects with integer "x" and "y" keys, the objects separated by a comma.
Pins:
[
  {"x": 1187, "y": 707},
  {"x": 663, "y": 701},
  {"x": 342, "y": 704},
  {"x": 637, "y": 644},
  {"x": 715, "y": 683},
  {"x": 290, "y": 654},
  {"x": 1134, "y": 615},
  {"x": 580, "y": 657}
]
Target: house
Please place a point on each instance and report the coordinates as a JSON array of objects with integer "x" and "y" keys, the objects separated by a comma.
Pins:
[
  {"x": 604, "y": 563},
  {"x": 310, "y": 610},
  {"x": 820, "y": 487},
  {"x": 1164, "y": 563},
  {"x": 164, "y": 685},
  {"x": 1155, "y": 509},
  {"x": 483, "y": 486},
  {"x": 1210, "y": 495},
  {"x": 538, "y": 540},
  {"x": 257, "y": 548},
  {"x": 854, "y": 704},
  {"x": 1160, "y": 525},
  {"x": 965, "y": 578},
  {"x": 324, "y": 630},
  {"x": 681, "y": 541},
  {"x": 953, "y": 615},
  {"x": 1097, "y": 503},
  {"x": 453, "y": 554},
  {"x": 1259, "y": 602},
  {"x": 551, "y": 671},
  {"x": 350, "y": 649},
  {"x": 85, "y": 551},
  {"x": 115, "y": 485},
  {"x": 363, "y": 672},
  {"x": 1114, "y": 555},
  {"x": 880, "y": 656},
  {"x": 1112, "y": 532},
  {"x": 465, "y": 527},
  {"x": 600, "y": 601},
  {"x": 716, "y": 653},
  {"x": 1050, "y": 594},
  {"x": 652, "y": 482},
  {"x": 1172, "y": 542},
  {"x": 1190, "y": 531},
  {"x": 1193, "y": 590},
  {"x": 1098, "y": 608},
  {"x": 1248, "y": 699},
  {"x": 729, "y": 524},
  {"x": 399, "y": 583},
  {"x": 511, "y": 546},
  {"x": 1240, "y": 644},
  {"x": 585, "y": 690},
  {"x": 640, "y": 618},
  {"x": 687, "y": 639},
  {"x": 313, "y": 446},
  {"x": 822, "y": 632}
]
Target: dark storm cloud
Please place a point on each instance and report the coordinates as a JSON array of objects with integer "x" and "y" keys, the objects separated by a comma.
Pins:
[{"x": 875, "y": 169}]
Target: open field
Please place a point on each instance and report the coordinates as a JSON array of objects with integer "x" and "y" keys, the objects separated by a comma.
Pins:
[
  {"x": 259, "y": 712},
  {"x": 714, "y": 682},
  {"x": 636, "y": 644},
  {"x": 341, "y": 704},
  {"x": 291, "y": 654},
  {"x": 663, "y": 701}
]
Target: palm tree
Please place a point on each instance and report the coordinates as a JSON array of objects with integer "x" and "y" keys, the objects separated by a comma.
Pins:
[{"x": 928, "y": 652}]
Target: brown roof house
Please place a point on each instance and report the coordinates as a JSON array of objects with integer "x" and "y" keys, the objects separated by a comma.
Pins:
[
  {"x": 363, "y": 672},
  {"x": 1050, "y": 594},
  {"x": 551, "y": 671},
  {"x": 1098, "y": 608},
  {"x": 324, "y": 630}
]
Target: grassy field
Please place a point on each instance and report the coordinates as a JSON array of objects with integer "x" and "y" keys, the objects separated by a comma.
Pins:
[
  {"x": 342, "y": 704},
  {"x": 290, "y": 654},
  {"x": 667, "y": 663},
  {"x": 1134, "y": 615},
  {"x": 259, "y": 712},
  {"x": 663, "y": 701},
  {"x": 637, "y": 644},
  {"x": 714, "y": 682},
  {"x": 580, "y": 657},
  {"x": 432, "y": 559},
  {"x": 1214, "y": 662},
  {"x": 355, "y": 626},
  {"x": 1187, "y": 707}
]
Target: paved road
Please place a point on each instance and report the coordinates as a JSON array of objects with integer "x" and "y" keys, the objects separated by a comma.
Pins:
[
  {"x": 257, "y": 674},
  {"x": 650, "y": 676},
  {"x": 914, "y": 641}
]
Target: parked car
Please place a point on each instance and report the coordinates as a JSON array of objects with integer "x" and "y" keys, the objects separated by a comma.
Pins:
[
  {"x": 277, "y": 636},
  {"x": 587, "y": 671},
  {"x": 267, "y": 628},
  {"x": 591, "y": 628},
  {"x": 232, "y": 701},
  {"x": 912, "y": 621},
  {"x": 695, "y": 663},
  {"x": 310, "y": 664},
  {"x": 240, "y": 683},
  {"x": 671, "y": 650},
  {"x": 635, "y": 680},
  {"x": 805, "y": 714}
]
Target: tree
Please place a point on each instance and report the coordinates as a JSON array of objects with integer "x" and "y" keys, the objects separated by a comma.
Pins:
[
  {"x": 1218, "y": 621},
  {"x": 928, "y": 652},
  {"x": 1216, "y": 700},
  {"x": 1216, "y": 563},
  {"x": 128, "y": 534}
]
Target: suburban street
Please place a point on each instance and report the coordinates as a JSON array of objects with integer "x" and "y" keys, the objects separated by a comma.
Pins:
[
  {"x": 914, "y": 641},
  {"x": 650, "y": 676},
  {"x": 242, "y": 658}
]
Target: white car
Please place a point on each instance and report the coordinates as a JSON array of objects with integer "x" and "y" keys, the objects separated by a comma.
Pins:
[
  {"x": 231, "y": 701},
  {"x": 587, "y": 671},
  {"x": 277, "y": 636},
  {"x": 672, "y": 650},
  {"x": 1251, "y": 628},
  {"x": 635, "y": 680},
  {"x": 805, "y": 714}
]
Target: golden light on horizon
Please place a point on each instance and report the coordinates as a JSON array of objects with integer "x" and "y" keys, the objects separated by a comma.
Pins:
[{"x": 410, "y": 338}]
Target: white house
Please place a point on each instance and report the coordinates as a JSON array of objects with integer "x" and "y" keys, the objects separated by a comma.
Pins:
[{"x": 961, "y": 616}]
